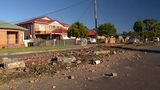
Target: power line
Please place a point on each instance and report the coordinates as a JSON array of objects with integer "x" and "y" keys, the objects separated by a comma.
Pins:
[
  {"x": 53, "y": 11},
  {"x": 85, "y": 10},
  {"x": 101, "y": 12}
]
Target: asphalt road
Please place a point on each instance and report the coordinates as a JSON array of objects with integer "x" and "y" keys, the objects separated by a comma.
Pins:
[{"x": 140, "y": 71}]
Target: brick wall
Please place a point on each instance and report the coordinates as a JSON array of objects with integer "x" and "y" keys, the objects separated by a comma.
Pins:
[
  {"x": 3, "y": 37},
  {"x": 10, "y": 38}
]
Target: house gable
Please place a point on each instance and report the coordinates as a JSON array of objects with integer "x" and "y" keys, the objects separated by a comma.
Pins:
[
  {"x": 56, "y": 23},
  {"x": 46, "y": 18}
]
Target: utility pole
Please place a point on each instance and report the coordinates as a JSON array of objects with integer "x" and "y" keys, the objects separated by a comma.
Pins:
[
  {"x": 95, "y": 16},
  {"x": 95, "y": 13}
]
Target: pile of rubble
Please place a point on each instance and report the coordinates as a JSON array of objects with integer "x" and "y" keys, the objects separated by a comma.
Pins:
[{"x": 53, "y": 62}]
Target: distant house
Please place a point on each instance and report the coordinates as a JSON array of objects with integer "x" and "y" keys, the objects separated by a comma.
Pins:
[
  {"x": 11, "y": 35},
  {"x": 45, "y": 28},
  {"x": 91, "y": 33},
  {"x": 121, "y": 38}
]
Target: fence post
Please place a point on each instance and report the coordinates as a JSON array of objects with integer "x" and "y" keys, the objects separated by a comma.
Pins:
[
  {"x": 64, "y": 42},
  {"x": 54, "y": 41}
]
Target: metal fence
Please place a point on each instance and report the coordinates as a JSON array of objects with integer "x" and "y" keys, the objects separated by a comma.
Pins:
[{"x": 42, "y": 42}]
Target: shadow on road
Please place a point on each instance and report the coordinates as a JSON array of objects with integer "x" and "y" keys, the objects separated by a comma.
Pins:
[
  {"x": 141, "y": 50},
  {"x": 145, "y": 50}
]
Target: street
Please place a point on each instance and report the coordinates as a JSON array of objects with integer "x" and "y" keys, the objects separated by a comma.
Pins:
[{"x": 136, "y": 69}]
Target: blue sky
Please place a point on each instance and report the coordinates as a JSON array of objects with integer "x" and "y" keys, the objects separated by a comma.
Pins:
[{"x": 122, "y": 13}]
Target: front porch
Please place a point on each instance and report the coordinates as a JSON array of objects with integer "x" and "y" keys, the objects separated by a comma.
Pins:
[{"x": 12, "y": 39}]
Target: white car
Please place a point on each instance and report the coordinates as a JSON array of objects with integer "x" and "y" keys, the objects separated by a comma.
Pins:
[
  {"x": 133, "y": 40},
  {"x": 91, "y": 40},
  {"x": 156, "y": 39}
]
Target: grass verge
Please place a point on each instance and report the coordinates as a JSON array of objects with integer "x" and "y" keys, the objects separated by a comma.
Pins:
[{"x": 35, "y": 48}]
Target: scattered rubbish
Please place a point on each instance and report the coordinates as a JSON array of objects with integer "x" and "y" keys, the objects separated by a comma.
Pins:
[
  {"x": 92, "y": 70},
  {"x": 110, "y": 75},
  {"x": 71, "y": 77},
  {"x": 53, "y": 86},
  {"x": 78, "y": 62},
  {"x": 114, "y": 74},
  {"x": 114, "y": 52},
  {"x": 53, "y": 59},
  {"x": 96, "y": 62},
  {"x": 31, "y": 81}
]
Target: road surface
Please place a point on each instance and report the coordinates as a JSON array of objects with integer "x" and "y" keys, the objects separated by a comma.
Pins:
[{"x": 136, "y": 69}]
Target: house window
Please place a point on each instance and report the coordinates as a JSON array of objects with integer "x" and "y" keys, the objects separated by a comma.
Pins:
[
  {"x": 50, "y": 27},
  {"x": 41, "y": 27},
  {"x": 22, "y": 36},
  {"x": 27, "y": 26},
  {"x": 54, "y": 26}
]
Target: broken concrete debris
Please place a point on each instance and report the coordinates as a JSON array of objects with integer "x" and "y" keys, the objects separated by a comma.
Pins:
[
  {"x": 16, "y": 64},
  {"x": 78, "y": 62},
  {"x": 8, "y": 63},
  {"x": 5, "y": 60},
  {"x": 102, "y": 52},
  {"x": 26, "y": 69},
  {"x": 66, "y": 59}
]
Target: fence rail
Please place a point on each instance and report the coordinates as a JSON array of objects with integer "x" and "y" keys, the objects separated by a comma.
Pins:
[{"x": 65, "y": 42}]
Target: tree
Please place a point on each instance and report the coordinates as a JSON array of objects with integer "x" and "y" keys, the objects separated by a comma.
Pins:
[
  {"x": 133, "y": 34},
  {"x": 150, "y": 24},
  {"x": 107, "y": 29},
  {"x": 138, "y": 26},
  {"x": 149, "y": 34},
  {"x": 78, "y": 30},
  {"x": 125, "y": 33}
]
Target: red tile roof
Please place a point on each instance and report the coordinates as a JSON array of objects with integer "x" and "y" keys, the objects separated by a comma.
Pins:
[
  {"x": 91, "y": 32},
  {"x": 40, "y": 19},
  {"x": 59, "y": 31}
]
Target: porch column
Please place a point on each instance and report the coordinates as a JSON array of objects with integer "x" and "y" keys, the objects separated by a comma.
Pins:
[{"x": 50, "y": 36}]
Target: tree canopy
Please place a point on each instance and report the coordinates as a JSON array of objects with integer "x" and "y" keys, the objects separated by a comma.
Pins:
[
  {"x": 78, "y": 30},
  {"x": 107, "y": 29},
  {"x": 150, "y": 24},
  {"x": 138, "y": 26}
]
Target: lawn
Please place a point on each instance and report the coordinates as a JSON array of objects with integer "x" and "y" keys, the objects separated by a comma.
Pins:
[{"x": 35, "y": 48}]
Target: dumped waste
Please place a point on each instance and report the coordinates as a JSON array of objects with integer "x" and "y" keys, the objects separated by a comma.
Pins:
[
  {"x": 8, "y": 63},
  {"x": 53, "y": 62}
]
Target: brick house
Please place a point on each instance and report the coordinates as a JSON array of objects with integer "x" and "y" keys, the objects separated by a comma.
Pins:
[
  {"x": 45, "y": 28},
  {"x": 92, "y": 33},
  {"x": 11, "y": 35}
]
